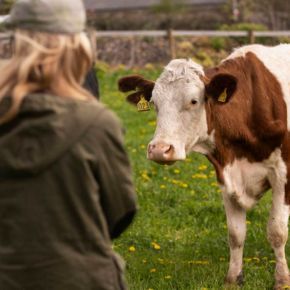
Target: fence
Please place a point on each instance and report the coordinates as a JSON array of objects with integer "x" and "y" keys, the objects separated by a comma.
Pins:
[
  {"x": 172, "y": 34},
  {"x": 169, "y": 35}
]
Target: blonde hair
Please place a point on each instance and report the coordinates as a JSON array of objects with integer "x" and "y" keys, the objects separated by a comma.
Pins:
[{"x": 44, "y": 62}]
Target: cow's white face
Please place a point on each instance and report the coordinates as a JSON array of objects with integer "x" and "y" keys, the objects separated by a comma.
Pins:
[{"x": 179, "y": 101}]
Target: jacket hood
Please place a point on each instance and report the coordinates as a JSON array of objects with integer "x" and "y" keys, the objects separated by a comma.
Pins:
[{"x": 43, "y": 130}]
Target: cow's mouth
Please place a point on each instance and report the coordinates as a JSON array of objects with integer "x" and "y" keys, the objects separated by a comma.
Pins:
[{"x": 163, "y": 162}]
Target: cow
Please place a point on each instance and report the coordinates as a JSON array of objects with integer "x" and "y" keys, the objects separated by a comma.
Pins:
[{"x": 237, "y": 115}]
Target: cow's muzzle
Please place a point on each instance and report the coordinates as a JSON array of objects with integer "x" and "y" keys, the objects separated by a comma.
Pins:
[{"x": 161, "y": 153}]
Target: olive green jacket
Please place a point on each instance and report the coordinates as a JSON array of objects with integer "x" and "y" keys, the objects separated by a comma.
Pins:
[{"x": 65, "y": 192}]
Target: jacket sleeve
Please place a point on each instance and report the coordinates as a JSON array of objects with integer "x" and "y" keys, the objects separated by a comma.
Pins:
[
  {"x": 91, "y": 83},
  {"x": 113, "y": 175}
]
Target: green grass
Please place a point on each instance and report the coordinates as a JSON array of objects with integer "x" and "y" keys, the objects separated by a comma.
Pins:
[{"x": 179, "y": 238}]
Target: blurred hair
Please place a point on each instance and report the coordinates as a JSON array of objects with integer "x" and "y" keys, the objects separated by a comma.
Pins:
[{"x": 44, "y": 62}]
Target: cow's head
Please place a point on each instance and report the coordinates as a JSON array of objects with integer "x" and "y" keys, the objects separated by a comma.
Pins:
[{"x": 179, "y": 99}]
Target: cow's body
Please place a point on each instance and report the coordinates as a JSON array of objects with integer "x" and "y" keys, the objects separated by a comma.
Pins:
[{"x": 237, "y": 114}]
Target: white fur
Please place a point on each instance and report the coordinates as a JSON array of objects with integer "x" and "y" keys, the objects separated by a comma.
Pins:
[
  {"x": 180, "y": 123},
  {"x": 184, "y": 126},
  {"x": 241, "y": 175},
  {"x": 244, "y": 180},
  {"x": 236, "y": 221},
  {"x": 242, "y": 189}
]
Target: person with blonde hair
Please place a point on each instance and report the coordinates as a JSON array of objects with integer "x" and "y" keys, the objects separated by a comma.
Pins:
[{"x": 66, "y": 187}]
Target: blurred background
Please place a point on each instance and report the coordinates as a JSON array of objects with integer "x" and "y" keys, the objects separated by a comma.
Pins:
[{"x": 144, "y": 32}]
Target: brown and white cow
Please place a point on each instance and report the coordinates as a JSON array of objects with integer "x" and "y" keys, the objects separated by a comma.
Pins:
[{"x": 237, "y": 114}]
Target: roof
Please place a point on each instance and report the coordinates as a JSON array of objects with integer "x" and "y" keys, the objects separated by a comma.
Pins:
[{"x": 137, "y": 4}]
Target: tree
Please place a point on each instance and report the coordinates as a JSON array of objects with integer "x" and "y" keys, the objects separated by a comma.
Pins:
[
  {"x": 275, "y": 13},
  {"x": 169, "y": 8},
  {"x": 5, "y": 6},
  {"x": 240, "y": 10}
]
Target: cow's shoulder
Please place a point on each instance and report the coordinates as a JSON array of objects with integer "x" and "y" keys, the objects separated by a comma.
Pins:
[{"x": 252, "y": 121}]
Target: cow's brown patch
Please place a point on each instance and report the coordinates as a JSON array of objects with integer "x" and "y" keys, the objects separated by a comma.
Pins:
[
  {"x": 253, "y": 123},
  {"x": 141, "y": 86}
]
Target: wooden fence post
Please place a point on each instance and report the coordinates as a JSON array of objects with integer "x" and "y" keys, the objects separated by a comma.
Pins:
[
  {"x": 251, "y": 36},
  {"x": 132, "y": 60},
  {"x": 93, "y": 38},
  {"x": 171, "y": 41}
]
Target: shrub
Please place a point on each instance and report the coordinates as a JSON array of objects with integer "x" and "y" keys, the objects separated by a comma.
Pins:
[
  {"x": 243, "y": 26},
  {"x": 218, "y": 43}
]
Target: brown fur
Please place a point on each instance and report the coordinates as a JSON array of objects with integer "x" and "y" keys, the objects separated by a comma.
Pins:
[
  {"x": 134, "y": 82},
  {"x": 253, "y": 123}
]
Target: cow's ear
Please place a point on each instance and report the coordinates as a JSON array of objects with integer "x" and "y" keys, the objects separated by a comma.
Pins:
[
  {"x": 136, "y": 83},
  {"x": 221, "y": 87},
  {"x": 134, "y": 98}
]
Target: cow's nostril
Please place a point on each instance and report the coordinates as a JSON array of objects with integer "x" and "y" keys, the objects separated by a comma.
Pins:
[
  {"x": 169, "y": 150},
  {"x": 151, "y": 148}
]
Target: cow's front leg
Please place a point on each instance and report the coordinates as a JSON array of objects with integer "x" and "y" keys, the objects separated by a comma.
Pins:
[
  {"x": 277, "y": 232},
  {"x": 236, "y": 221}
]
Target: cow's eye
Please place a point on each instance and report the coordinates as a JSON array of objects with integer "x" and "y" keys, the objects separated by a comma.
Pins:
[{"x": 193, "y": 102}]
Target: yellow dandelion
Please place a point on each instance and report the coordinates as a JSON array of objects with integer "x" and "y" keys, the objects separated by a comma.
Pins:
[
  {"x": 184, "y": 185},
  {"x": 132, "y": 249},
  {"x": 214, "y": 184},
  {"x": 286, "y": 287},
  {"x": 176, "y": 171},
  {"x": 155, "y": 246},
  {"x": 153, "y": 270},
  {"x": 165, "y": 178},
  {"x": 145, "y": 176},
  {"x": 174, "y": 181},
  {"x": 152, "y": 123},
  {"x": 142, "y": 146},
  {"x": 167, "y": 277},
  {"x": 202, "y": 167},
  {"x": 199, "y": 176},
  {"x": 162, "y": 186}
]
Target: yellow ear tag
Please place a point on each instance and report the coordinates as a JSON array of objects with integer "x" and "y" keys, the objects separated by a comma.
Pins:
[
  {"x": 223, "y": 96},
  {"x": 143, "y": 105}
]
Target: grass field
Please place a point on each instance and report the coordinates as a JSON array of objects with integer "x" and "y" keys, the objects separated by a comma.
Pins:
[{"x": 179, "y": 238}]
